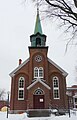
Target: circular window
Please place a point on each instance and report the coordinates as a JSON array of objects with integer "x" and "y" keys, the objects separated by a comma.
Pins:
[{"x": 38, "y": 58}]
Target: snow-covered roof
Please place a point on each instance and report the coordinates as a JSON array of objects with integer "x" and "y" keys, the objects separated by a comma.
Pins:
[
  {"x": 19, "y": 67},
  {"x": 64, "y": 73},
  {"x": 38, "y": 80}
]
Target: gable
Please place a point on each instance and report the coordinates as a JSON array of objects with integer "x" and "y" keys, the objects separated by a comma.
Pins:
[
  {"x": 19, "y": 67},
  {"x": 40, "y": 81},
  {"x": 64, "y": 73}
]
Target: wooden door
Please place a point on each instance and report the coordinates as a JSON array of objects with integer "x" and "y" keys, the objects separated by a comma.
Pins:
[{"x": 38, "y": 101}]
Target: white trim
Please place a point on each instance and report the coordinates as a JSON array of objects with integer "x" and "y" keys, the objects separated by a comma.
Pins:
[
  {"x": 36, "y": 68},
  {"x": 38, "y": 89},
  {"x": 38, "y": 80},
  {"x": 58, "y": 94},
  {"x": 70, "y": 88},
  {"x": 56, "y": 88},
  {"x": 63, "y": 72},
  {"x": 21, "y": 88},
  {"x": 41, "y": 68},
  {"x": 38, "y": 72},
  {"x": 57, "y": 79},
  {"x": 18, "y": 94},
  {"x": 20, "y": 98},
  {"x": 19, "y": 67}
]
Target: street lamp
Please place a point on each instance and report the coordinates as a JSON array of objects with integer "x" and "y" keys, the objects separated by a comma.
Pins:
[
  {"x": 7, "y": 103},
  {"x": 68, "y": 94}
]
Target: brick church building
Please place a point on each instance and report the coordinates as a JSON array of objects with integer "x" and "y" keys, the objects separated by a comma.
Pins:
[{"x": 38, "y": 82}]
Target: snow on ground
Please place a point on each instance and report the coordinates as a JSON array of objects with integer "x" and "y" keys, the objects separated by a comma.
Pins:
[{"x": 3, "y": 116}]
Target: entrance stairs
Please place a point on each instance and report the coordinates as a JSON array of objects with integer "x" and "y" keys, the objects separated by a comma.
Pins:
[{"x": 38, "y": 112}]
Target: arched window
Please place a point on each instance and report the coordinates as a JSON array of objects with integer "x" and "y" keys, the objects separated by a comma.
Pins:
[
  {"x": 38, "y": 72},
  {"x": 56, "y": 94},
  {"x": 21, "y": 83},
  {"x": 21, "y": 88},
  {"x": 55, "y": 81},
  {"x": 38, "y": 92},
  {"x": 38, "y": 42}
]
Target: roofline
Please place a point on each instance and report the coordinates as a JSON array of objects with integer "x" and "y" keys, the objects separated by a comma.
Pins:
[
  {"x": 71, "y": 88},
  {"x": 38, "y": 80},
  {"x": 22, "y": 64},
  {"x": 64, "y": 73},
  {"x": 19, "y": 67},
  {"x": 39, "y": 47},
  {"x": 38, "y": 34}
]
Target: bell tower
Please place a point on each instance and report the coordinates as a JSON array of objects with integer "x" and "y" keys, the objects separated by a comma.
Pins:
[
  {"x": 38, "y": 39},
  {"x": 38, "y": 50}
]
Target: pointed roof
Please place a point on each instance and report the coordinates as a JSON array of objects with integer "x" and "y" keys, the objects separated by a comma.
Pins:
[
  {"x": 38, "y": 27},
  {"x": 64, "y": 73},
  {"x": 40, "y": 81},
  {"x": 18, "y": 68}
]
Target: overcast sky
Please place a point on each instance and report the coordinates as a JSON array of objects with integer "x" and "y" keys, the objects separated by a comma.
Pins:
[{"x": 17, "y": 21}]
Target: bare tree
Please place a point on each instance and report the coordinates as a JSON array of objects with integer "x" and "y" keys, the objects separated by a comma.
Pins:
[
  {"x": 75, "y": 2},
  {"x": 65, "y": 12},
  {"x": 2, "y": 94}
]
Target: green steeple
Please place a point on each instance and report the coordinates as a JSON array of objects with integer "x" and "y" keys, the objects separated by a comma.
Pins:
[
  {"x": 38, "y": 27},
  {"x": 38, "y": 39}
]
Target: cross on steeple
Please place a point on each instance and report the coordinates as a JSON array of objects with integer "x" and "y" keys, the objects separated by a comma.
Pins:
[
  {"x": 37, "y": 7},
  {"x": 38, "y": 27},
  {"x": 38, "y": 39}
]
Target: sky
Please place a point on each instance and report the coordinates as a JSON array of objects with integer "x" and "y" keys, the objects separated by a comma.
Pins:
[{"x": 17, "y": 22}]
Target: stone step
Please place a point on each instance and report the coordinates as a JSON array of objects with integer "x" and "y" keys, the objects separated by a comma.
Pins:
[{"x": 38, "y": 113}]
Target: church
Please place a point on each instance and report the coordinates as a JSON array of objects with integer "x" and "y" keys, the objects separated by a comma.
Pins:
[{"x": 38, "y": 82}]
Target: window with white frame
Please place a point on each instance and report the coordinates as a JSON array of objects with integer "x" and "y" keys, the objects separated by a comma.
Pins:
[
  {"x": 56, "y": 93},
  {"x": 38, "y": 72},
  {"x": 56, "y": 87},
  {"x": 21, "y": 88}
]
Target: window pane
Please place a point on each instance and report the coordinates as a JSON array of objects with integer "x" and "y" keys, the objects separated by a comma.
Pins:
[
  {"x": 21, "y": 88},
  {"x": 38, "y": 72},
  {"x": 35, "y": 72},
  {"x": 21, "y": 83},
  {"x": 55, "y": 82},
  {"x": 56, "y": 93},
  {"x": 41, "y": 72},
  {"x": 38, "y": 92},
  {"x": 38, "y": 41},
  {"x": 21, "y": 93}
]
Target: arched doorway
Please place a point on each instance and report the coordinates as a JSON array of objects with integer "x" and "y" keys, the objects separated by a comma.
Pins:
[{"x": 38, "y": 99}]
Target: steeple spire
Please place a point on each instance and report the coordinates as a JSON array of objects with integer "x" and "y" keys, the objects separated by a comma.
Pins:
[
  {"x": 38, "y": 39},
  {"x": 37, "y": 8},
  {"x": 38, "y": 27}
]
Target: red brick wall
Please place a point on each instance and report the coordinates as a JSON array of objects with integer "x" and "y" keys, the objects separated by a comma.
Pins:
[
  {"x": 46, "y": 95},
  {"x": 14, "y": 102},
  {"x": 33, "y": 63},
  {"x": 27, "y": 71}
]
